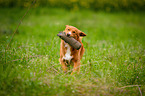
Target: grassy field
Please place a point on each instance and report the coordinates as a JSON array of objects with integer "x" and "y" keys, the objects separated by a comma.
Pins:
[{"x": 113, "y": 63}]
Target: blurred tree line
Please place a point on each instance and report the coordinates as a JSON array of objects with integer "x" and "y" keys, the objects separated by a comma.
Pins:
[{"x": 107, "y": 5}]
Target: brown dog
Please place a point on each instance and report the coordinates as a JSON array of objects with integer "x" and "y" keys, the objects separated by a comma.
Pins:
[{"x": 69, "y": 55}]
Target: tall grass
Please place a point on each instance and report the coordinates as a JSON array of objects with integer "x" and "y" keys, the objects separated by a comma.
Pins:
[{"x": 113, "y": 63}]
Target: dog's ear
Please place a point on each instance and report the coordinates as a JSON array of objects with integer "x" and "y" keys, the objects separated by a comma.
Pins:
[
  {"x": 82, "y": 33},
  {"x": 66, "y": 25}
]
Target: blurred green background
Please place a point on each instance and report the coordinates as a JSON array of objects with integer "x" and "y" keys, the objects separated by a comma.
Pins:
[
  {"x": 106, "y": 5},
  {"x": 114, "y": 60}
]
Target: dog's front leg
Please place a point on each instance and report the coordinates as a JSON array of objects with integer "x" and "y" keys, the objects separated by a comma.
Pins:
[
  {"x": 76, "y": 67},
  {"x": 64, "y": 67}
]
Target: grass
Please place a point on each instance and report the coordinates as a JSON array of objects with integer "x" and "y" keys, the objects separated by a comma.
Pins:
[{"x": 113, "y": 63}]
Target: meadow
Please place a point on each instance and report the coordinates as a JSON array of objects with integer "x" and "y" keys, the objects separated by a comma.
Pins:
[{"x": 113, "y": 63}]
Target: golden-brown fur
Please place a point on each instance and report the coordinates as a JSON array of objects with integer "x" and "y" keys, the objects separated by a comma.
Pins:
[{"x": 75, "y": 54}]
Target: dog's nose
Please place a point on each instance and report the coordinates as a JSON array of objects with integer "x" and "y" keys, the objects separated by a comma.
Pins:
[{"x": 68, "y": 34}]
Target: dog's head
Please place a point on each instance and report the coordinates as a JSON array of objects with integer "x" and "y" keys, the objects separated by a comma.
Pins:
[{"x": 73, "y": 32}]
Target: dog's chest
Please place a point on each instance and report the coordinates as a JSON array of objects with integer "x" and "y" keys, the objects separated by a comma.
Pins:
[{"x": 67, "y": 55}]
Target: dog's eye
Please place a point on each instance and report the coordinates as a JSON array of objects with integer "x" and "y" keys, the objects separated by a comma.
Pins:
[
  {"x": 73, "y": 31},
  {"x": 68, "y": 29}
]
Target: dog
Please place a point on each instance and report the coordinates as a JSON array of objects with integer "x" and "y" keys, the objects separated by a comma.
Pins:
[{"x": 69, "y": 55}]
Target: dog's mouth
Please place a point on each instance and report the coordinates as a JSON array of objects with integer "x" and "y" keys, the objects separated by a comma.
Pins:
[
  {"x": 72, "y": 37},
  {"x": 69, "y": 35}
]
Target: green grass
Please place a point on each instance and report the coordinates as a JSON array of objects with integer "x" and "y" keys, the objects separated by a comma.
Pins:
[{"x": 114, "y": 58}]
